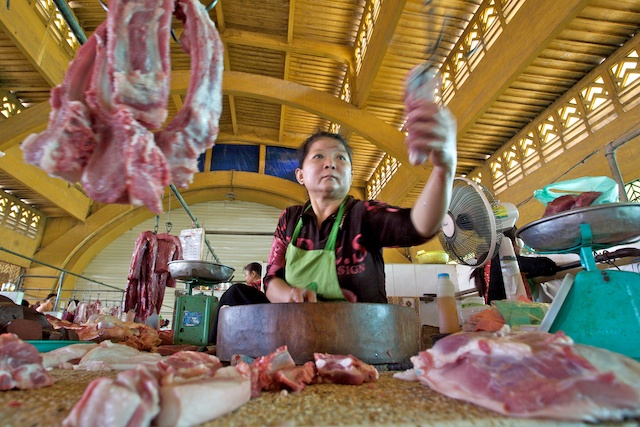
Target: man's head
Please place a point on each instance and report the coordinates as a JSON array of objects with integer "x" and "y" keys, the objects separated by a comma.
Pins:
[{"x": 252, "y": 272}]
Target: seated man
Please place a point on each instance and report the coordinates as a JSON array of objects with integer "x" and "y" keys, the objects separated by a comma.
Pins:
[{"x": 241, "y": 294}]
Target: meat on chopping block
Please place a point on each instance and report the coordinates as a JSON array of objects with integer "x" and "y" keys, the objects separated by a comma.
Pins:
[
  {"x": 21, "y": 365},
  {"x": 115, "y": 94},
  {"x": 532, "y": 375}
]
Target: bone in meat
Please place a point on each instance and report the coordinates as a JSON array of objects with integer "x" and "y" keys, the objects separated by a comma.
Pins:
[
  {"x": 140, "y": 63},
  {"x": 195, "y": 128}
]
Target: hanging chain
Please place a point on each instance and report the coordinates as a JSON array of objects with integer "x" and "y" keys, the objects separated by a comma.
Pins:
[{"x": 168, "y": 224}]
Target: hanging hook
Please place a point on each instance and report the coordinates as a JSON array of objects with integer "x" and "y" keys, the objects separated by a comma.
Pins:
[
  {"x": 168, "y": 224},
  {"x": 155, "y": 227}
]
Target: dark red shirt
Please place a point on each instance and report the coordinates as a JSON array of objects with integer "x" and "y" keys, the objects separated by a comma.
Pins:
[{"x": 367, "y": 227}]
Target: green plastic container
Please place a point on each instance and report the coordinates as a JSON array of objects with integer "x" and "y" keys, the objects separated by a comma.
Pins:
[
  {"x": 194, "y": 318},
  {"x": 601, "y": 310}
]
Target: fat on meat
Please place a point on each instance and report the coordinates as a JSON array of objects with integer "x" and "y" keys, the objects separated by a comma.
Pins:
[
  {"x": 140, "y": 65},
  {"x": 195, "y": 127},
  {"x": 165, "y": 394},
  {"x": 187, "y": 366},
  {"x": 117, "y": 357},
  {"x": 129, "y": 400},
  {"x": 532, "y": 375},
  {"x": 343, "y": 369},
  {"x": 194, "y": 402},
  {"x": 114, "y": 96},
  {"x": 64, "y": 148},
  {"x": 21, "y": 365},
  {"x": 64, "y": 357}
]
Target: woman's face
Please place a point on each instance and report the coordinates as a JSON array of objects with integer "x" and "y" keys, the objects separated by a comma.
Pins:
[{"x": 326, "y": 169}]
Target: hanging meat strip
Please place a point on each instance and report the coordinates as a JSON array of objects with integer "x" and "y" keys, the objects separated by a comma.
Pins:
[
  {"x": 116, "y": 92},
  {"x": 149, "y": 272}
]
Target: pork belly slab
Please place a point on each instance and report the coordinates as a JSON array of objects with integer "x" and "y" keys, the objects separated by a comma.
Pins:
[{"x": 532, "y": 375}]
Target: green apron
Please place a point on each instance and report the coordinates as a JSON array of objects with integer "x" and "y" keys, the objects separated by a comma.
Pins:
[{"x": 315, "y": 269}]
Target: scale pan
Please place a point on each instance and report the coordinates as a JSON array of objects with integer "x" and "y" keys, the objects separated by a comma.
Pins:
[
  {"x": 204, "y": 271},
  {"x": 611, "y": 224}
]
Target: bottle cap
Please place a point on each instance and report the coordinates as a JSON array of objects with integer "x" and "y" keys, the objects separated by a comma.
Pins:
[{"x": 443, "y": 274}]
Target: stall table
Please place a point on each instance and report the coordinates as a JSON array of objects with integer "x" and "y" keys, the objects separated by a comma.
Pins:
[{"x": 388, "y": 402}]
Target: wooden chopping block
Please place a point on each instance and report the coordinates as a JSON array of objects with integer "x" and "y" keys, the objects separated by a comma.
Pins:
[{"x": 374, "y": 333}]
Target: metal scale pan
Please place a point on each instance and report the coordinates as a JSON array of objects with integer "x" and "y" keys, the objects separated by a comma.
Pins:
[
  {"x": 200, "y": 273},
  {"x": 611, "y": 225},
  {"x": 596, "y": 307}
]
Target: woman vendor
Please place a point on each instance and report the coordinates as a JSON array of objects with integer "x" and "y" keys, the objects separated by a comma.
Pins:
[{"x": 331, "y": 248}]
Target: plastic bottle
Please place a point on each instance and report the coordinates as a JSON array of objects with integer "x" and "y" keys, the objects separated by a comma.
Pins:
[
  {"x": 513, "y": 284},
  {"x": 447, "y": 309}
]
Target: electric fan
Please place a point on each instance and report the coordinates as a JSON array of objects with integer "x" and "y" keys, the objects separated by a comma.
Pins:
[{"x": 472, "y": 232}]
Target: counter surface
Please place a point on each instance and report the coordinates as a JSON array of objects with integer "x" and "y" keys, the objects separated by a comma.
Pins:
[{"x": 389, "y": 402}]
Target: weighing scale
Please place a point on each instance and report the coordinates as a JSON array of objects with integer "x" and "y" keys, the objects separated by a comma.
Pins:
[
  {"x": 600, "y": 308},
  {"x": 194, "y": 314}
]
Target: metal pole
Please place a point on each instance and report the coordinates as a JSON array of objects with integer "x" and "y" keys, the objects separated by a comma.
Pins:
[
  {"x": 610, "y": 154},
  {"x": 71, "y": 20},
  {"x": 193, "y": 218}
]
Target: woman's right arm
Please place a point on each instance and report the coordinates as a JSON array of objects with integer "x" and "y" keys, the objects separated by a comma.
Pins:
[
  {"x": 276, "y": 288},
  {"x": 280, "y": 291}
]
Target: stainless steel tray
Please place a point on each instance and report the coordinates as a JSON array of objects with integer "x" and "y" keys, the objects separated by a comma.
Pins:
[
  {"x": 205, "y": 271},
  {"x": 611, "y": 225}
]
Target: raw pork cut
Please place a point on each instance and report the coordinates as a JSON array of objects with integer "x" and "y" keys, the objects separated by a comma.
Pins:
[
  {"x": 116, "y": 92},
  {"x": 340, "y": 369},
  {"x": 118, "y": 357},
  {"x": 532, "y": 375},
  {"x": 183, "y": 390},
  {"x": 190, "y": 403},
  {"x": 21, "y": 365},
  {"x": 195, "y": 127},
  {"x": 64, "y": 357},
  {"x": 149, "y": 272},
  {"x": 130, "y": 400}
]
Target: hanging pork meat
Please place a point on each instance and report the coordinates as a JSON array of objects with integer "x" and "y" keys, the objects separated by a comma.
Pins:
[
  {"x": 149, "y": 272},
  {"x": 115, "y": 94}
]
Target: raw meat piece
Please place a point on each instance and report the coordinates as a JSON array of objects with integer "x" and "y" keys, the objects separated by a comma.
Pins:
[
  {"x": 148, "y": 273},
  {"x": 116, "y": 90},
  {"x": 118, "y": 357},
  {"x": 140, "y": 63},
  {"x": 264, "y": 368},
  {"x": 340, "y": 369},
  {"x": 64, "y": 148},
  {"x": 571, "y": 201},
  {"x": 532, "y": 375},
  {"x": 586, "y": 199},
  {"x": 187, "y": 366},
  {"x": 130, "y": 400},
  {"x": 105, "y": 327},
  {"x": 560, "y": 204},
  {"x": 21, "y": 365},
  {"x": 295, "y": 379},
  {"x": 195, "y": 128},
  {"x": 195, "y": 402},
  {"x": 64, "y": 357}
]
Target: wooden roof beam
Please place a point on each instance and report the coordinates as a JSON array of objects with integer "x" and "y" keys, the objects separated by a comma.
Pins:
[{"x": 21, "y": 23}]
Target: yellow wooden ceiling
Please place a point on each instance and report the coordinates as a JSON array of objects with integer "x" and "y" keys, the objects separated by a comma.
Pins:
[{"x": 293, "y": 67}]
